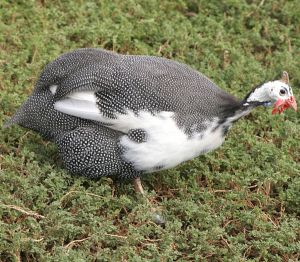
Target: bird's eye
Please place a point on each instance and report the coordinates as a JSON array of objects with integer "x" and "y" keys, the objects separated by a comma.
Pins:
[{"x": 282, "y": 92}]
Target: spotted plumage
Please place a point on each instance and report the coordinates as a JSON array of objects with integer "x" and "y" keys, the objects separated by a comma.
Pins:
[
  {"x": 86, "y": 147},
  {"x": 137, "y": 135},
  {"x": 38, "y": 114},
  {"x": 126, "y": 115},
  {"x": 136, "y": 83},
  {"x": 94, "y": 152}
]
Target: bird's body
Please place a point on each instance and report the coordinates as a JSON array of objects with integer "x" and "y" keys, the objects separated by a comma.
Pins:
[{"x": 126, "y": 115}]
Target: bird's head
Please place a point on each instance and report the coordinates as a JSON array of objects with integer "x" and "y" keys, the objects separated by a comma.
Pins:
[{"x": 277, "y": 93}]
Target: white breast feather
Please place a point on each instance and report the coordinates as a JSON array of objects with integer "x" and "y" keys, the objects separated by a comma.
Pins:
[{"x": 166, "y": 144}]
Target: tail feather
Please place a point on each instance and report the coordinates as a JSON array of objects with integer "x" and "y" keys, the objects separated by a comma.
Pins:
[{"x": 15, "y": 119}]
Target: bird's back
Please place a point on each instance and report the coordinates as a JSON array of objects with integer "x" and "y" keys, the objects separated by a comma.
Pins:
[{"x": 137, "y": 83}]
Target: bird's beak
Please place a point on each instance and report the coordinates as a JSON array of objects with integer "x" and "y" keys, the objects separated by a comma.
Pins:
[{"x": 283, "y": 104}]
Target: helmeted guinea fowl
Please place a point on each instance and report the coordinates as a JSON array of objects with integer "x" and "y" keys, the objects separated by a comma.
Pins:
[{"x": 126, "y": 115}]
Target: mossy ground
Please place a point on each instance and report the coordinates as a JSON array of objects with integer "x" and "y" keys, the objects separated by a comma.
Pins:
[{"x": 241, "y": 202}]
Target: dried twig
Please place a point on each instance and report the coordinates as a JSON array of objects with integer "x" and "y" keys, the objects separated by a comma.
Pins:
[
  {"x": 267, "y": 217},
  {"x": 118, "y": 236},
  {"x": 229, "y": 222},
  {"x": 153, "y": 240},
  {"x": 26, "y": 212},
  {"x": 221, "y": 190},
  {"x": 76, "y": 191},
  {"x": 33, "y": 240},
  {"x": 94, "y": 195},
  {"x": 74, "y": 242},
  {"x": 226, "y": 242}
]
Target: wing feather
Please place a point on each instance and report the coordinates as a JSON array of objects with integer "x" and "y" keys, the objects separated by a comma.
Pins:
[{"x": 79, "y": 104}]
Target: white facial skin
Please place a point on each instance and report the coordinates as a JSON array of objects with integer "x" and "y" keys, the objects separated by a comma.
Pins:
[
  {"x": 279, "y": 90},
  {"x": 271, "y": 91}
]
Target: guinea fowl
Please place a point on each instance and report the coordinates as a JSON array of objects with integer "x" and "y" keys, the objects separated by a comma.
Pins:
[{"x": 126, "y": 115}]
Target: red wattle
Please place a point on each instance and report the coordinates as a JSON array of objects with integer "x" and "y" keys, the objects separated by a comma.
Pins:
[{"x": 281, "y": 105}]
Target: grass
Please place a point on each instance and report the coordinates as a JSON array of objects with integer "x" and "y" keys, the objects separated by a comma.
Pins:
[{"x": 238, "y": 203}]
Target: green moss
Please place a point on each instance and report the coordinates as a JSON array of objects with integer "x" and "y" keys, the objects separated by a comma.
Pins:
[{"x": 238, "y": 203}]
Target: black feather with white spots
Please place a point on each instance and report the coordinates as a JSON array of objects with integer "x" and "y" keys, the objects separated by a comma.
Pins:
[
  {"x": 94, "y": 152},
  {"x": 132, "y": 82},
  {"x": 137, "y": 135},
  {"x": 86, "y": 147},
  {"x": 38, "y": 114}
]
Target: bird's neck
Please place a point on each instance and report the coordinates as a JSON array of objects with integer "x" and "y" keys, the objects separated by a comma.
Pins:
[
  {"x": 236, "y": 115},
  {"x": 258, "y": 96}
]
